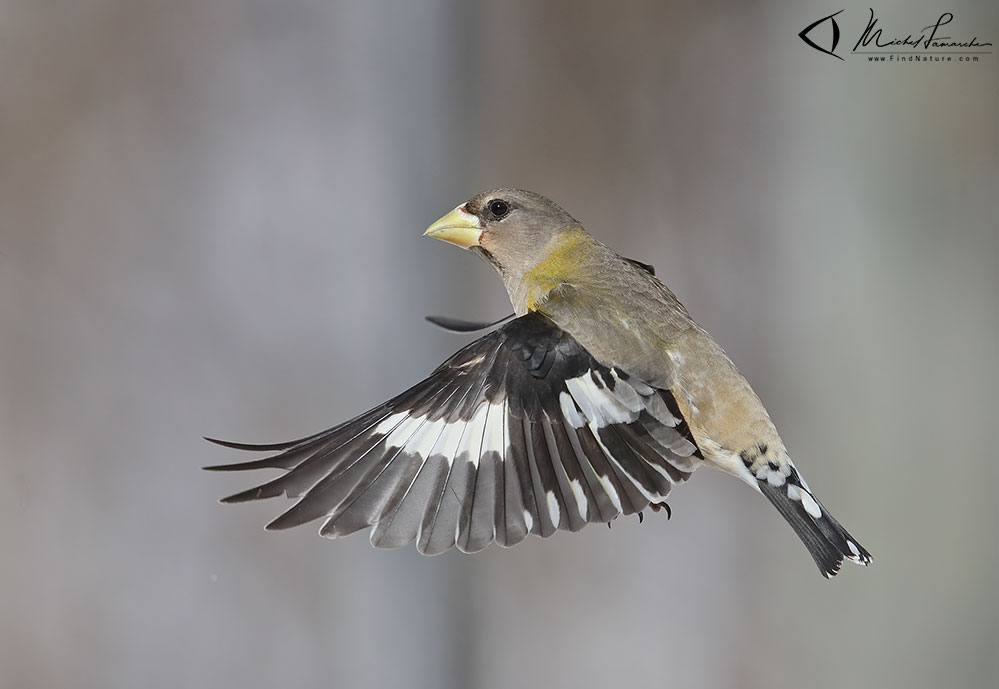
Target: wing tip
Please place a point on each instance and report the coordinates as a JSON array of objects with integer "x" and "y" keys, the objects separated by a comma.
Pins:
[
  {"x": 458, "y": 325},
  {"x": 244, "y": 466},
  {"x": 251, "y": 447}
]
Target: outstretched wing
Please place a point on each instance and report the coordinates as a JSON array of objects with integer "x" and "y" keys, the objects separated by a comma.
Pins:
[{"x": 520, "y": 432}]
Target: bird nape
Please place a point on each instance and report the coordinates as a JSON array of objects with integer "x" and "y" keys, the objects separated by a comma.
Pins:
[{"x": 594, "y": 401}]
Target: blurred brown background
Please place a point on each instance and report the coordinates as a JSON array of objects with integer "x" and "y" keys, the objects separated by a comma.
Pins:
[{"x": 210, "y": 218}]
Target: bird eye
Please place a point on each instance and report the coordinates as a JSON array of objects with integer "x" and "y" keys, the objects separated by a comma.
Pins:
[{"x": 498, "y": 208}]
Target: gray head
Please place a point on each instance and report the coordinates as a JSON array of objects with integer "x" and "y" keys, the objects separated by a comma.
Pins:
[{"x": 513, "y": 229}]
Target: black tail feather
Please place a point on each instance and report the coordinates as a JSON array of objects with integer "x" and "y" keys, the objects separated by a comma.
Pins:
[{"x": 827, "y": 541}]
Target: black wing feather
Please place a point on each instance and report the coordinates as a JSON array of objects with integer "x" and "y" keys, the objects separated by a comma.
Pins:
[{"x": 521, "y": 431}]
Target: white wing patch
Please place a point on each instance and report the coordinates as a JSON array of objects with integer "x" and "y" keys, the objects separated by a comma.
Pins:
[
  {"x": 485, "y": 432},
  {"x": 569, "y": 410},
  {"x": 404, "y": 432},
  {"x": 553, "y": 509},
  {"x": 493, "y": 436},
  {"x": 452, "y": 437},
  {"x": 426, "y": 439},
  {"x": 611, "y": 491},
  {"x": 471, "y": 441},
  {"x": 600, "y": 406},
  {"x": 577, "y": 492},
  {"x": 390, "y": 422}
]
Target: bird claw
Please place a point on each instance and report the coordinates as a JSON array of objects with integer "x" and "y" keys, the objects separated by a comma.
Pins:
[{"x": 662, "y": 506}]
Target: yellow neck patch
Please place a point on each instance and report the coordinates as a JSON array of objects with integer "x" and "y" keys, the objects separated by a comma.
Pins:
[{"x": 569, "y": 252}]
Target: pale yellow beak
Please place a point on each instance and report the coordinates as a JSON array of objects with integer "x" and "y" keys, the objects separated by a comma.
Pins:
[{"x": 459, "y": 227}]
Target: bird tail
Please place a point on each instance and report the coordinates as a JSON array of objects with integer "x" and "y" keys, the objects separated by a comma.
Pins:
[{"x": 827, "y": 541}]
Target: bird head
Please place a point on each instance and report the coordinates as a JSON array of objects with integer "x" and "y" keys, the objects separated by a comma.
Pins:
[{"x": 517, "y": 231}]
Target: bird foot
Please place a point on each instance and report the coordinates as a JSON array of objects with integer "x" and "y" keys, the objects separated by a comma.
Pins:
[{"x": 662, "y": 506}]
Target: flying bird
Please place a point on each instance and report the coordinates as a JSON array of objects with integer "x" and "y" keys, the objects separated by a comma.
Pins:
[{"x": 598, "y": 397}]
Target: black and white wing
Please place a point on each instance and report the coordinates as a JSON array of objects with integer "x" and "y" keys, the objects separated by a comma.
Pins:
[{"x": 520, "y": 432}]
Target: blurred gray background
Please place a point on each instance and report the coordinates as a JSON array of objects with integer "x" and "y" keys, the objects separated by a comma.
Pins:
[{"x": 210, "y": 219}]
